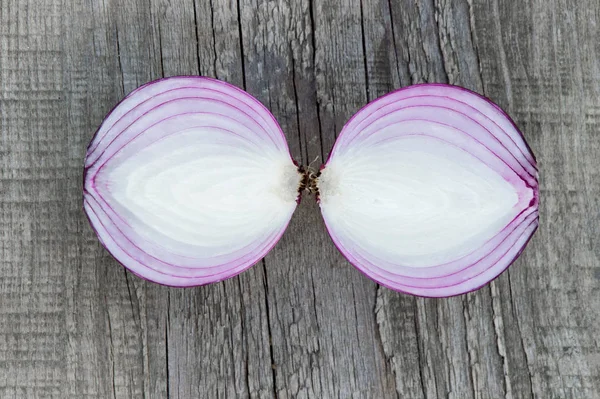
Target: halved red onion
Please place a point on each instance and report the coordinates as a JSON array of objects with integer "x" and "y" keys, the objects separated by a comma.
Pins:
[
  {"x": 430, "y": 190},
  {"x": 189, "y": 181}
]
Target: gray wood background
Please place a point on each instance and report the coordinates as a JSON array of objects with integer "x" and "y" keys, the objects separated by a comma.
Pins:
[{"x": 303, "y": 323}]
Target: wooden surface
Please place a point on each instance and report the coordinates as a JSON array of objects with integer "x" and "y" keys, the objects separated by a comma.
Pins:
[{"x": 303, "y": 323}]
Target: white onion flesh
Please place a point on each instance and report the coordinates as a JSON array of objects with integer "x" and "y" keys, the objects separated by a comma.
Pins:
[
  {"x": 417, "y": 200},
  {"x": 430, "y": 190}
]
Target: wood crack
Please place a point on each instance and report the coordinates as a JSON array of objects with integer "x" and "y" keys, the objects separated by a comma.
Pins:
[
  {"x": 314, "y": 69},
  {"x": 364, "y": 49},
  {"x": 112, "y": 349},
  {"x": 241, "y": 38},
  {"x": 243, "y": 325},
  {"x": 335, "y": 129},
  {"x": 466, "y": 317},
  {"x": 303, "y": 156},
  {"x": 214, "y": 37},
  {"x": 120, "y": 62},
  {"x": 521, "y": 341},
  {"x": 160, "y": 50},
  {"x": 268, "y": 315},
  {"x": 168, "y": 323},
  {"x": 197, "y": 36},
  {"x": 230, "y": 333},
  {"x": 314, "y": 292},
  {"x": 419, "y": 349},
  {"x": 356, "y": 331},
  {"x": 135, "y": 314}
]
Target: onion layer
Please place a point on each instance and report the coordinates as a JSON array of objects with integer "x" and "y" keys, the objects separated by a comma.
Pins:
[
  {"x": 430, "y": 190},
  {"x": 189, "y": 181}
]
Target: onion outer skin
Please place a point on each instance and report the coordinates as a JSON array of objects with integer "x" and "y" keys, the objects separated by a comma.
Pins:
[
  {"x": 267, "y": 131},
  {"x": 432, "y": 284}
]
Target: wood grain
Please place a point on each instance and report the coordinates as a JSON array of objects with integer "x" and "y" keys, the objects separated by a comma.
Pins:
[{"x": 303, "y": 323}]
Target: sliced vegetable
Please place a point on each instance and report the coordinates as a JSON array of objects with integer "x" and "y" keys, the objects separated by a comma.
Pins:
[
  {"x": 430, "y": 190},
  {"x": 189, "y": 181}
]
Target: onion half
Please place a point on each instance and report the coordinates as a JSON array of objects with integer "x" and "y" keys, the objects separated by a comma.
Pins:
[
  {"x": 430, "y": 190},
  {"x": 189, "y": 181}
]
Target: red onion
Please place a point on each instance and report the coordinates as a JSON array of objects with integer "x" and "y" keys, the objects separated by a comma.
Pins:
[
  {"x": 430, "y": 190},
  {"x": 189, "y": 181}
]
